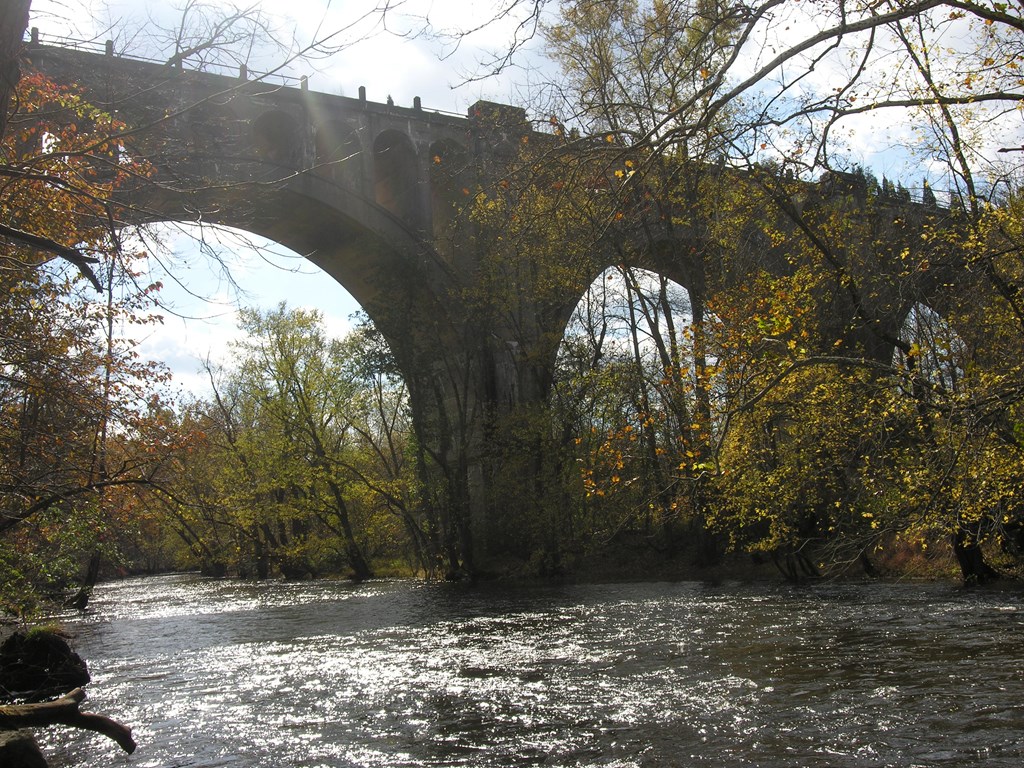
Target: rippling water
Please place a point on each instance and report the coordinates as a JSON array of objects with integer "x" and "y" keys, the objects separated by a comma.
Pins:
[{"x": 215, "y": 673}]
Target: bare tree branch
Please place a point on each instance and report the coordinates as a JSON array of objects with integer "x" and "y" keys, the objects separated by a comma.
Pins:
[{"x": 76, "y": 257}]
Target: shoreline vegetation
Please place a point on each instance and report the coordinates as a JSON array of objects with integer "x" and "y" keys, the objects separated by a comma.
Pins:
[{"x": 625, "y": 563}]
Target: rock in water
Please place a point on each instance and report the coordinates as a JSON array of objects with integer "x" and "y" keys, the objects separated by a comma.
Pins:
[
  {"x": 38, "y": 665},
  {"x": 18, "y": 749}
]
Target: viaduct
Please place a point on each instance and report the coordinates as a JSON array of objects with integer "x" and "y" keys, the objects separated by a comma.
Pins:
[{"x": 372, "y": 194}]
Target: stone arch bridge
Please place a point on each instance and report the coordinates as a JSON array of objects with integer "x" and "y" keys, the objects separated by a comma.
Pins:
[{"x": 371, "y": 193}]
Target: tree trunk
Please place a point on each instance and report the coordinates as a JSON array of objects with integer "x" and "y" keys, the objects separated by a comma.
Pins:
[
  {"x": 92, "y": 575},
  {"x": 13, "y": 23},
  {"x": 360, "y": 568},
  {"x": 971, "y": 559}
]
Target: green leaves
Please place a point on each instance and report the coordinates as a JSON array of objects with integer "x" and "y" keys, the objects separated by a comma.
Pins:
[{"x": 303, "y": 452}]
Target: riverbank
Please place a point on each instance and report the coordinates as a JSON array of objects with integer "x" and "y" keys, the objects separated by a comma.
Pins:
[{"x": 636, "y": 561}]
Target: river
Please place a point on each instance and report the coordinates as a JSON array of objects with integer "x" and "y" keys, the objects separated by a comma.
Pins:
[{"x": 288, "y": 675}]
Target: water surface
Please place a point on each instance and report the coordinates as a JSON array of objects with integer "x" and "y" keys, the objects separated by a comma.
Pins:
[{"x": 402, "y": 674}]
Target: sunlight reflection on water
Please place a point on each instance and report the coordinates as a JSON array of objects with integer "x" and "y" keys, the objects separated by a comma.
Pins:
[{"x": 216, "y": 673}]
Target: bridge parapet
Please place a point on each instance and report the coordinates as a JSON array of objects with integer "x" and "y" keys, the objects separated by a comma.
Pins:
[{"x": 217, "y": 127}]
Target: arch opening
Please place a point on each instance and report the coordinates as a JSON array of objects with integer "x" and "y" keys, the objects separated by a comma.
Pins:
[
  {"x": 358, "y": 243},
  {"x": 342, "y": 365},
  {"x": 208, "y": 272},
  {"x": 634, "y": 387},
  {"x": 939, "y": 353}
]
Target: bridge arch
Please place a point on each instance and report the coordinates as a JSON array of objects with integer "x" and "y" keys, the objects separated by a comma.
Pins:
[
  {"x": 678, "y": 259},
  {"x": 339, "y": 154},
  {"x": 659, "y": 303},
  {"x": 378, "y": 258},
  {"x": 450, "y": 183},
  {"x": 396, "y": 177},
  {"x": 277, "y": 138}
]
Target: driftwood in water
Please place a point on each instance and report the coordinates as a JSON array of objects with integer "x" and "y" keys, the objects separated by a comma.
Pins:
[{"x": 64, "y": 711}]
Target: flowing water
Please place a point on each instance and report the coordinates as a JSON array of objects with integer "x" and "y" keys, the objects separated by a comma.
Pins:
[{"x": 218, "y": 673}]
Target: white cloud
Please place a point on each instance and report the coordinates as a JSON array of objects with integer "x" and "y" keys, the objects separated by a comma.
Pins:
[
  {"x": 390, "y": 54},
  {"x": 200, "y": 306}
]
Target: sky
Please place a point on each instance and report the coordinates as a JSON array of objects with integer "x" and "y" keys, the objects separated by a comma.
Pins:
[{"x": 199, "y": 306}]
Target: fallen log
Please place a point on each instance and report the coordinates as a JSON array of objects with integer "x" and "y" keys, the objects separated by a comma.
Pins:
[{"x": 64, "y": 711}]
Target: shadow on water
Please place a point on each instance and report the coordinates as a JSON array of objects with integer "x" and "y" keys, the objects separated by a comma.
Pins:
[{"x": 216, "y": 673}]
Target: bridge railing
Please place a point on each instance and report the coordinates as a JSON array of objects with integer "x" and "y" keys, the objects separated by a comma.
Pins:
[
  {"x": 107, "y": 48},
  {"x": 94, "y": 46}
]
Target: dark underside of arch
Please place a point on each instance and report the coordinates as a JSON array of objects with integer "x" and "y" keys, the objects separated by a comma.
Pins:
[{"x": 369, "y": 251}]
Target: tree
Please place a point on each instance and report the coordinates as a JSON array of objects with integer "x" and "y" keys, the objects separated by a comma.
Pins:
[
  {"x": 13, "y": 23},
  {"x": 288, "y": 433},
  {"x": 77, "y": 430},
  {"x": 301, "y": 459},
  {"x": 384, "y": 463}
]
